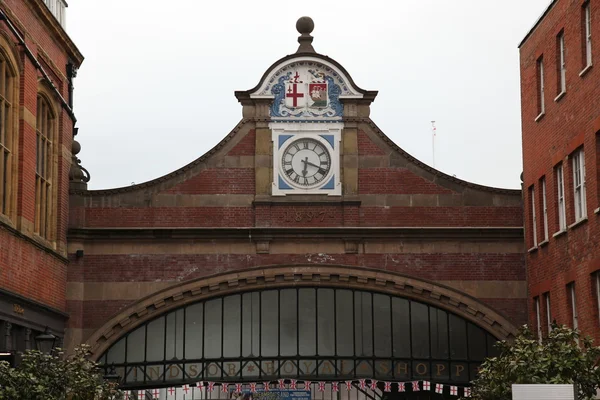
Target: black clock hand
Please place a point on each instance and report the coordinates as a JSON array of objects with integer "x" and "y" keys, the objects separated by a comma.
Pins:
[
  {"x": 313, "y": 165},
  {"x": 304, "y": 171}
]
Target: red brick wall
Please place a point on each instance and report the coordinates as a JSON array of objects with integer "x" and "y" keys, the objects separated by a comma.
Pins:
[
  {"x": 27, "y": 269},
  {"x": 246, "y": 146},
  {"x": 396, "y": 181},
  {"x": 31, "y": 272},
  {"x": 179, "y": 267},
  {"x": 218, "y": 181},
  {"x": 568, "y": 123}
]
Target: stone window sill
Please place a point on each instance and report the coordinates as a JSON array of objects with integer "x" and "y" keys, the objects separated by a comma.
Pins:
[
  {"x": 539, "y": 117},
  {"x": 560, "y": 96},
  {"x": 559, "y": 233},
  {"x": 533, "y": 249},
  {"x": 585, "y": 70},
  {"x": 597, "y": 210},
  {"x": 544, "y": 243},
  {"x": 577, "y": 223}
]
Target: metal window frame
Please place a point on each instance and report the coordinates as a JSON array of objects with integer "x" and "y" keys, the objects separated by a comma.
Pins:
[{"x": 279, "y": 361}]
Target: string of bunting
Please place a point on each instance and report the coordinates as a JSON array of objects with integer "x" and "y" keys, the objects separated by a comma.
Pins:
[{"x": 266, "y": 386}]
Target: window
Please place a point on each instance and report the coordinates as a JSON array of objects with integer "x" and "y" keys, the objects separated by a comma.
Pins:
[
  {"x": 6, "y": 136},
  {"x": 571, "y": 290},
  {"x": 586, "y": 30},
  {"x": 579, "y": 185},
  {"x": 533, "y": 217},
  {"x": 548, "y": 311},
  {"x": 544, "y": 208},
  {"x": 560, "y": 185},
  {"x": 538, "y": 317},
  {"x": 57, "y": 8},
  {"x": 43, "y": 170},
  {"x": 560, "y": 64},
  {"x": 540, "y": 79},
  {"x": 596, "y": 280}
]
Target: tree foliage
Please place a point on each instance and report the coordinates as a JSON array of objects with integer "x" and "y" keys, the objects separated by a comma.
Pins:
[
  {"x": 559, "y": 359},
  {"x": 53, "y": 376}
]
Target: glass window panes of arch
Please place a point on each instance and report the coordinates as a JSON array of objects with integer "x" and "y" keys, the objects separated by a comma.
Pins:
[{"x": 312, "y": 333}]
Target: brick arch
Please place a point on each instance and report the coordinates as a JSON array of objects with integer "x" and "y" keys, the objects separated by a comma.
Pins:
[{"x": 269, "y": 277}]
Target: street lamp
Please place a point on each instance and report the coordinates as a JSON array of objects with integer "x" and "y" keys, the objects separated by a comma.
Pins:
[
  {"x": 112, "y": 376},
  {"x": 45, "y": 341}
]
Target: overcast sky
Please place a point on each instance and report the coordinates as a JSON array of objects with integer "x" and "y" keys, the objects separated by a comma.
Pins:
[{"x": 155, "y": 91}]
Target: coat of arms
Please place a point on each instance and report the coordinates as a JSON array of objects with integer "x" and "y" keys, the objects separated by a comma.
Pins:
[{"x": 302, "y": 94}]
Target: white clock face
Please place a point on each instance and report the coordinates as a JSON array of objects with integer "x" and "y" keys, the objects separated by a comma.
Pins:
[{"x": 306, "y": 162}]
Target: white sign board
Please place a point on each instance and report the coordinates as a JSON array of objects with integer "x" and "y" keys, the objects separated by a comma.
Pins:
[{"x": 543, "y": 392}]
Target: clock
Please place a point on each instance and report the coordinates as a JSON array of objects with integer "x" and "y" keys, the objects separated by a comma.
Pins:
[
  {"x": 306, "y": 162},
  {"x": 306, "y": 158}
]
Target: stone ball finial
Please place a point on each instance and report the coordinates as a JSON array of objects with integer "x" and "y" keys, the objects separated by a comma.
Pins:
[
  {"x": 75, "y": 147},
  {"x": 305, "y": 25}
]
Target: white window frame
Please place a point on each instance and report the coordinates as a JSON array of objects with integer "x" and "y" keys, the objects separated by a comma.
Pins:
[
  {"x": 548, "y": 311},
  {"x": 538, "y": 318},
  {"x": 579, "y": 185},
  {"x": 597, "y": 278},
  {"x": 562, "y": 209},
  {"x": 533, "y": 216},
  {"x": 562, "y": 64},
  {"x": 574, "y": 306},
  {"x": 588, "y": 34},
  {"x": 545, "y": 209},
  {"x": 540, "y": 66}
]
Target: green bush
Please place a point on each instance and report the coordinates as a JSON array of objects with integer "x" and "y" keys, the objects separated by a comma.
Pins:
[
  {"x": 558, "y": 359},
  {"x": 55, "y": 377}
]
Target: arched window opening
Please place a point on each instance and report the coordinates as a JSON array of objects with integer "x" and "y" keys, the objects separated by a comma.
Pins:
[
  {"x": 46, "y": 131},
  {"x": 7, "y": 135},
  {"x": 314, "y": 334}
]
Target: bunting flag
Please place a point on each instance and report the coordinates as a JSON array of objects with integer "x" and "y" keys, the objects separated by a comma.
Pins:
[
  {"x": 200, "y": 387},
  {"x": 335, "y": 386},
  {"x": 171, "y": 392}
]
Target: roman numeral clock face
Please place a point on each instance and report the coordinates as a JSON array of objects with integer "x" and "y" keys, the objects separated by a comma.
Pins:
[{"x": 306, "y": 162}]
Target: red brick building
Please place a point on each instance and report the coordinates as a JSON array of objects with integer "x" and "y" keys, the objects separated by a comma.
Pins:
[
  {"x": 37, "y": 63},
  {"x": 306, "y": 244},
  {"x": 561, "y": 122}
]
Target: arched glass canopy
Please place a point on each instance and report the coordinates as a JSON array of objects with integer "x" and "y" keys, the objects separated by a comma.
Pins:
[{"x": 301, "y": 333}]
